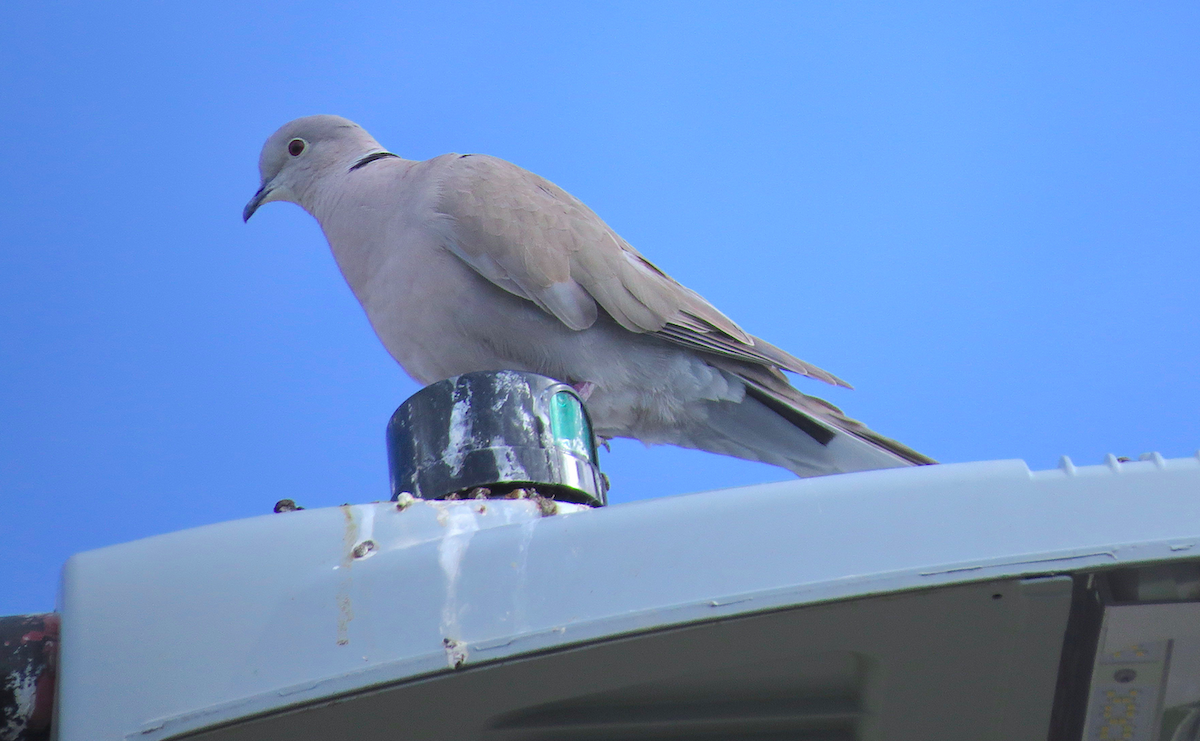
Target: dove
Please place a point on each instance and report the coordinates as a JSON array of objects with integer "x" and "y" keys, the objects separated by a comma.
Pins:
[{"x": 466, "y": 262}]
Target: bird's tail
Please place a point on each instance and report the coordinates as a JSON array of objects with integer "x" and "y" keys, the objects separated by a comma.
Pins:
[{"x": 777, "y": 424}]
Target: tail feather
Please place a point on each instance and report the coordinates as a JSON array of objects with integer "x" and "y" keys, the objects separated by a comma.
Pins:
[
  {"x": 778, "y": 424},
  {"x": 825, "y": 422},
  {"x": 751, "y": 430}
]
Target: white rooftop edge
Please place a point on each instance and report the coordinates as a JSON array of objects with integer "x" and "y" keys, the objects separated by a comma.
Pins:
[{"x": 182, "y": 631}]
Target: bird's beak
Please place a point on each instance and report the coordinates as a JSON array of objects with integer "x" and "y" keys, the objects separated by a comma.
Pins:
[{"x": 256, "y": 201}]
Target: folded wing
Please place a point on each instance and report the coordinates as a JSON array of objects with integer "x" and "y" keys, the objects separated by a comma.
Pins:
[{"x": 534, "y": 239}]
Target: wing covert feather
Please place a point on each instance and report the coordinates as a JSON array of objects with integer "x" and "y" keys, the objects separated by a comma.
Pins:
[{"x": 533, "y": 239}]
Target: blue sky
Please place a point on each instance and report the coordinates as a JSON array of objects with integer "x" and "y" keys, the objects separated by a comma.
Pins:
[{"x": 983, "y": 215}]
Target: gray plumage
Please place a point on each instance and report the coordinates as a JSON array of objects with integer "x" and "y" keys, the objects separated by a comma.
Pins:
[{"x": 467, "y": 263}]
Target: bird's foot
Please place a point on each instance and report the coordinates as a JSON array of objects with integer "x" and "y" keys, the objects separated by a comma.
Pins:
[{"x": 584, "y": 389}]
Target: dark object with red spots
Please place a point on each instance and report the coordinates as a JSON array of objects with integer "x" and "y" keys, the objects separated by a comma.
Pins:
[{"x": 28, "y": 658}]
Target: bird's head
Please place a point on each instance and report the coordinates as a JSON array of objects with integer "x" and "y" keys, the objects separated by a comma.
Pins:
[{"x": 296, "y": 155}]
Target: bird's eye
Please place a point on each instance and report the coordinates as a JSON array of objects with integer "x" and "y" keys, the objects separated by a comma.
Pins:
[{"x": 296, "y": 146}]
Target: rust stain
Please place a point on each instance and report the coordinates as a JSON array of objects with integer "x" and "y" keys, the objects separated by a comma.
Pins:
[{"x": 344, "y": 606}]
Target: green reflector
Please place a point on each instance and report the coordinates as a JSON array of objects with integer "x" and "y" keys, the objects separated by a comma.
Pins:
[{"x": 569, "y": 424}]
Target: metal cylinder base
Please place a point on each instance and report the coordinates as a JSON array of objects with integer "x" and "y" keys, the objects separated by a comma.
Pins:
[{"x": 495, "y": 430}]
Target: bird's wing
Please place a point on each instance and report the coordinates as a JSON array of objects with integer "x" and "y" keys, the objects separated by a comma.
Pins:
[{"x": 532, "y": 238}]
